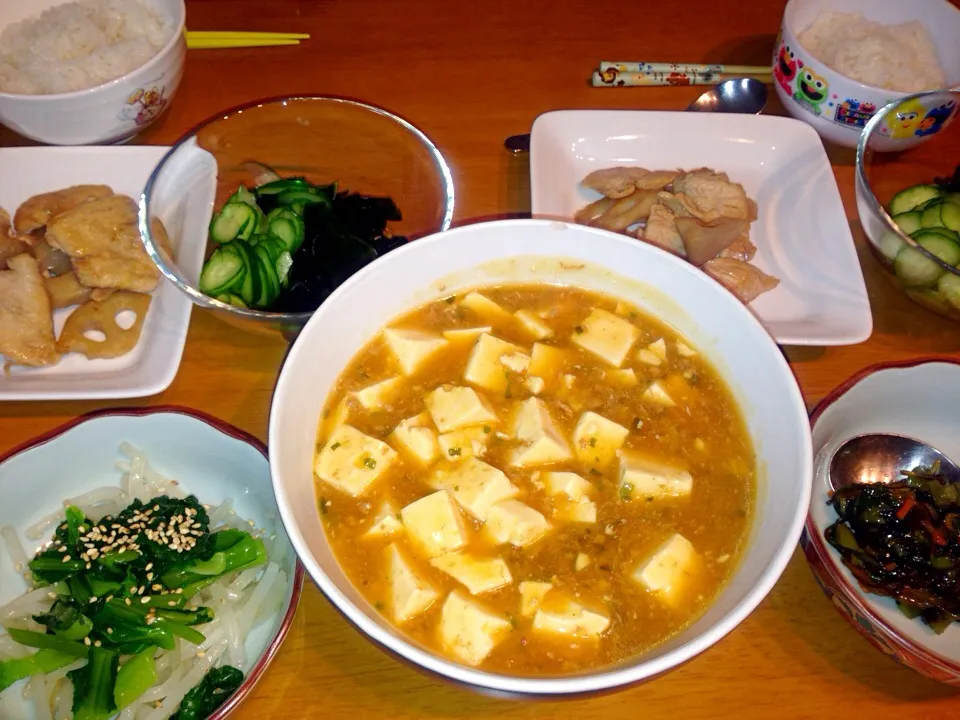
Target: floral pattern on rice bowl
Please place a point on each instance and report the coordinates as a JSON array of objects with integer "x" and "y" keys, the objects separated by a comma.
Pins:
[{"x": 145, "y": 103}]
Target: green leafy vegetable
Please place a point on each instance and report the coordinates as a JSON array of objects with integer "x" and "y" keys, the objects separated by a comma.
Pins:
[
  {"x": 93, "y": 686},
  {"x": 209, "y": 694},
  {"x": 41, "y": 662},
  {"x": 135, "y": 677}
]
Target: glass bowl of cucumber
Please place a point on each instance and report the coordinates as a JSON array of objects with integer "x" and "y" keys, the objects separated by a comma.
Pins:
[
  {"x": 909, "y": 202},
  {"x": 290, "y": 197}
]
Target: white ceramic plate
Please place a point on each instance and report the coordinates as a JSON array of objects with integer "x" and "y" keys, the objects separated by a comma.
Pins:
[
  {"x": 152, "y": 365},
  {"x": 210, "y": 459},
  {"x": 917, "y": 399},
  {"x": 802, "y": 234}
]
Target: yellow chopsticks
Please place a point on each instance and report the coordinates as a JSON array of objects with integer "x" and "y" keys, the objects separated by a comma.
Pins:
[
  {"x": 644, "y": 74},
  {"x": 211, "y": 39}
]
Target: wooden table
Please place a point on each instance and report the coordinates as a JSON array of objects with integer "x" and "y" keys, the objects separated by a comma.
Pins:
[{"x": 469, "y": 74}]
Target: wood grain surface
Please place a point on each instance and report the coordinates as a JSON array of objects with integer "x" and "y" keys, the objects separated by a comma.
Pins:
[{"x": 469, "y": 74}]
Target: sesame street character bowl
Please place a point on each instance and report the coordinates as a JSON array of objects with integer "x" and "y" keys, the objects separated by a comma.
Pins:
[
  {"x": 47, "y": 101},
  {"x": 915, "y": 399},
  {"x": 838, "y": 107},
  {"x": 909, "y": 205}
]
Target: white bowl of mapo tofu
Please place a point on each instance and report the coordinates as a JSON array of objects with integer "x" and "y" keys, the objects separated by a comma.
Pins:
[{"x": 539, "y": 458}]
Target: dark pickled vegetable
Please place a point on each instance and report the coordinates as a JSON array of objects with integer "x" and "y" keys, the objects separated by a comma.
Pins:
[{"x": 902, "y": 540}]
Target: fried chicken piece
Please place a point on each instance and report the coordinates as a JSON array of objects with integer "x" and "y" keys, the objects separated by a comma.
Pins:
[
  {"x": 661, "y": 230},
  {"x": 103, "y": 241},
  {"x": 618, "y": 182},
  {"x": 742, "y": 279},
  {"x": 10, "y": 246},
  {"x": 740, "y": 249},
  {"x": 26, "y": 318},
  {"x": 710, "y": 195},
  {"x": 65, "y": 290},
  {"x": 38, "y": 210}
]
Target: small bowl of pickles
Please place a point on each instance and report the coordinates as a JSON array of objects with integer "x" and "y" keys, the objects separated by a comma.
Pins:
[
  {"x": 290, "y": 197},
  {"x": 909, "y": 204}
]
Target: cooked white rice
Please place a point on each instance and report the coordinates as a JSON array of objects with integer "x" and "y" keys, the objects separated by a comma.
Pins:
[
  {"x": 896, "y": 57},
  {"x": 79, "y": 45}
]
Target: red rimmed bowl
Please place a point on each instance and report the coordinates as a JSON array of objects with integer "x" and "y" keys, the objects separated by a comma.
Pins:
[
  {"x": 918, "y": 399},
  {"x": 208, "y": 457}
]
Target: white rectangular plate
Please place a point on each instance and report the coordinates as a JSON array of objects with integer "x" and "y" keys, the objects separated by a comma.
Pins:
[
  {"x": 152, "y": 365},
  {"x": 802, "y": 234}
]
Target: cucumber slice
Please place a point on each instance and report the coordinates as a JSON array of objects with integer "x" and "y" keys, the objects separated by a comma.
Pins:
[
  {"x": 953, "y": 197},
  {"x": 950, "y": 215},
  {"x": 941, "y": 231},
  {"x": 232, "y": 299},
  {"x": 944, "y": 248},
  {"x": 949, "y": 287},
  {"x": 235, "y": 220},
  {"x": 249, "y": 289},
  {"x": 288, "y": 226},
  {"x": 222, "y": 272},
  {"x": 930, "y": 216},
  {"x": 243, "y": 195},
  {"x": 301, "y": 196},
  {"x": 283, "y": 265},
  {"x": 274, "y": 246},
  {"x": 909, "y": 222},
  {"x": 270, "y": 282},
  {"x": 909, "y": 199},
  {"x": 278, "y": 186},
  {"x": 890, "y": 245},
  {"x": 915, "y": 269}
]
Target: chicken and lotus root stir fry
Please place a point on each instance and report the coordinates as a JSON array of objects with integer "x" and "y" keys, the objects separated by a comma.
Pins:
[
  {"x": 700, "y": 215},
  {"x": 77, "y": 247}
]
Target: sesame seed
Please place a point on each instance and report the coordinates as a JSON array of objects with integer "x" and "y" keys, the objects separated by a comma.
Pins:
[
  {"x": 86, "y": 641},
  {"x": 151, "y": 620},
  {"x": 52, "y": 595},
  {"x": 93, "y": 599},
  {"x": 141, "y": 589},
  {"x": 251, "y": 523},
  {"x": 200, "y": 653},
  {"x": 144, "y": 601},
  {"x": 62, "y": 548},
  {"x": 149, "y": 574},
  {"x": 109, "y": 631},
  {"x": 127, "y": 601},
  {"x": 19, "y": 566},
  {"x": 156, "y": 586},
  {"x": 97, "y": 643},
  {"x": 88, "y": 566},
  {"x": 179, "y": 591},
  {"x": 172, "y": 603},
  {"x": 149, "y": 566},
  {"x": 66, "y": 558}
]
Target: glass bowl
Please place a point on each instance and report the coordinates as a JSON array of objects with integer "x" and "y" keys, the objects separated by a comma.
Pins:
[
  {"x": 363, "y": 148},
  {"x": 912, "y": 222}
]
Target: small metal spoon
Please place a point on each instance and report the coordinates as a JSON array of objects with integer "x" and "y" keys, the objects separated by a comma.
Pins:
[
  {"x": 881, "y": 458},
  {"x": 739, "y": 95}
]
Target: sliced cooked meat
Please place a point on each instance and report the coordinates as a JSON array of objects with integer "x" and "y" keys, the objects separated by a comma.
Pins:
[
  {"x": 711, "y": 195},
  {"x": 661, "y": 230},
  {"x": 38, "y": 210},
  {"x": 26, "y": 318},
  {"x": 10, "y": 246},
  {"x": 634, "y": 212},
  {"x": 65, "y": 290},
  {"x": 742, "y": 279},
  {"x": 705, "y": 241},
  {"x": 740, "y": 249},
  {"x": 615, "y": 182},
  {"x": 594, "y": 210}
]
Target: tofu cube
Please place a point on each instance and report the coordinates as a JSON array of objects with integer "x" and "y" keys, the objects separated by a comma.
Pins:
[
  {"x": 416, "y": 437},
  {"x": 607, "y": 336},
  {"x": 531, "y": 595},
  {"x": 648, "y": 358},
  {"x": 466, "y": 334},
  {"x": 583, "y": 510},
  {"x": 412, "y": 348},
  {"x": 597, "y": 440},
  {"x": 510, "y": 521},
  {"x": 565, "y": 618},
  {"x": 461, "y": 444},
  {"x": 546, "y": 361},
  {"x": 486, "y": 309},
  {"x": 533, "y": 325},
  {"x": 340, "y": 415},
  {"x": 656, "y": 394},
  {"x": 434, "y": 525},
  {"x": 684, "y": 350},
  {"x": 385, "y": 523},
  {"x": 517, "y": 362},
  {"x": 453, "y": 407},
  {"x": 476, "y": 486},
  {"x": 477, "y": 574},
  {"x": 485, "y": 366},
  {"x": 410, "y": 594},
  {"x": 669, "y": 568},
  {"x": 352, "y": 461},
  {"x": 535, "y": 384},
  {"x": 644, "y": 478},
  {"x": 624, "y": 378},
  {"x": 658, "y": 348},
  {"x": 379, "y": 394},
  {"x": 468, "y": 630},
  {"x": 542, "y": 442},
  {"x": 566, "y": 483},
  {"x": 582, "y": 561}
]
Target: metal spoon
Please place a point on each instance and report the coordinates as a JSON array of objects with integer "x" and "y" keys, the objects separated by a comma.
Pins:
[
  {"x": 740, "y": 95},
  {"x": 881, "y": 458}
]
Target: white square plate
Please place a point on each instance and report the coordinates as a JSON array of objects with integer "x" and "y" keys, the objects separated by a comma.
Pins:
[
  {"x": 802, "y": 235},
  {"x": 152, "y": 365}
]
